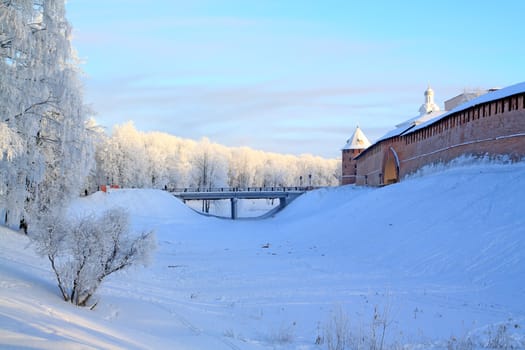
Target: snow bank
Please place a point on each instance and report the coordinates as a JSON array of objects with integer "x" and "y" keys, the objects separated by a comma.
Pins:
[
  {"x": 143, "y": 204},
  {"x": 440, "y": 257}
]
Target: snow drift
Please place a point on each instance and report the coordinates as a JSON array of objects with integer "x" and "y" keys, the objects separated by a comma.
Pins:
[{"x": 439, "y": 257}]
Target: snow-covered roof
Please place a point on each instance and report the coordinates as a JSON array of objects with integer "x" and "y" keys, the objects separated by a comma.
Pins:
[
  {"x": 409, "y": 124},
  {"x": 357, "y": 141},
  {"x": 488, "y": 97},
  {"x": 428, "y": 110},
  {"x": 420, "y": 118}
]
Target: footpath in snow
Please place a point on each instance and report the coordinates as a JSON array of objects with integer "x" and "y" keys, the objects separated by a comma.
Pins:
[{"x": 437, "y": 261}]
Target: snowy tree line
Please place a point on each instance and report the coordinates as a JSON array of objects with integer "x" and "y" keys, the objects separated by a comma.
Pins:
[{"x": 130, "y": 158}]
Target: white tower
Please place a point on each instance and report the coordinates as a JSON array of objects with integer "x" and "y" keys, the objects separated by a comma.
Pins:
[{"x": 429, "y": 106}]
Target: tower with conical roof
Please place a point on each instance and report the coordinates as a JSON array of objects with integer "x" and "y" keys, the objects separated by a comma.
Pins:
[{"x": 354, "y": 146}]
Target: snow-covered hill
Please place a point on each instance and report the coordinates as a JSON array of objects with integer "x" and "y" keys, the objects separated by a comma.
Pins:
[{"x": 436, "y": 260}]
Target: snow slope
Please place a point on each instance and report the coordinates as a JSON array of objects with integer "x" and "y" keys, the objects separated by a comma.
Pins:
[{"x": 440, "y": 258}]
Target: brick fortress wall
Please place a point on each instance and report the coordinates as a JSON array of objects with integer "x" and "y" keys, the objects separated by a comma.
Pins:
[{"x": 493, "y": 128}]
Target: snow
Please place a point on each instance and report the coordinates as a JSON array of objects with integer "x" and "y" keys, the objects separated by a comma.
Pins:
[
  {"x": 407, "y": 125},
  {"x": 440, "y": 256},
  {"x": 358, "y": 140},
  {"x": 246, "y": 208}
]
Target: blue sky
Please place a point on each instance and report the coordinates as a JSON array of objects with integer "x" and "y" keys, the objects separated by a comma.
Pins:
[{"x": 288, "y": 76}]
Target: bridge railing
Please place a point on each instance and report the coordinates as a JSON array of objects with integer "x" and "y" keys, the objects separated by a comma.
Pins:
[{"x": 244, "y": 189}]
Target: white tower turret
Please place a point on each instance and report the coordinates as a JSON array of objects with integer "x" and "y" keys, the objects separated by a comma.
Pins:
[{"x": 429, "y": 106}]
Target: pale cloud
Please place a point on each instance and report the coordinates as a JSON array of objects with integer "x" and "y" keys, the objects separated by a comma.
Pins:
[{"x": 261, "y": 116}]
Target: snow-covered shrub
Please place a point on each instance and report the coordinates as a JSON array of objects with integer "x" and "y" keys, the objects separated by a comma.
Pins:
[
  {"x": 337, "y": 333},
  {"x": 340, "y": 336},
  {"x": 464, "y": 343},
  {"x": 501, "y": 337},
  {"x": 283, "y": 335},
  {"x": 84, "y": 251}
]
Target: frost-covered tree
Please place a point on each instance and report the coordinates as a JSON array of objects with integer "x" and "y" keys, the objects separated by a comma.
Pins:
[
  {"x": 128, "y": 159},
  {"x": 157, "y": 171},
  {"x": 10, "y": 143},
  {"x": 178, "y": 162},
  {"x": 85, "y": 251},
  {"x": 97, "y": 137},
  {"x": 278, "y": 170},
  {"x": 241, "y": 168},
  {"x": 40, "y": 102},
  {"x": 208, "y": 168},
  {"x": 208, "y": 165},
  {"x": 316, "y": 172},
  {"x": 135, "y": 159}
]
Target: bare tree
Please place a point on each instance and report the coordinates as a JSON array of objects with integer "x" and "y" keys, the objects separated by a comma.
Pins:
[{"x": 84, "y": 252}]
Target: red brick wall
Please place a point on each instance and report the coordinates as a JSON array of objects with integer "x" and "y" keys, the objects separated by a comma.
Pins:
[
  {"x": 349, "y": 166},
  {"x": 495, "y": 128}
]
